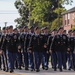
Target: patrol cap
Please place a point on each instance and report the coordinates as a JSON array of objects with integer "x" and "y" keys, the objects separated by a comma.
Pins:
[
  {"x": 54, "y": 30},
  {"x": 42, "y": 28},
  {"x": 64, "y": 31},
  {"x": 36, "y": 28},
  {"x": 20, "y": 27},
  {"x": 69, "y": 31},
  {"x": 25, "y": 27},
  {"x": 60, "y": 28},
  {"x": 45, "y": 28},
  {"x": 4, "y": 28},
  {"x": 10, "y": 27},
  {"x": 32, "y": 27},
  {"x": 15, "y": 29}
]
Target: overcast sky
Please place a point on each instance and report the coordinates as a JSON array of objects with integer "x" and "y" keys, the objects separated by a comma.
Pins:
[{"x": 8, "y": 12}]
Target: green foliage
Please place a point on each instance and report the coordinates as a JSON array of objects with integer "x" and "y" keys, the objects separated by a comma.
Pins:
[
  {"x": 23, "y": 11},
  {"x": 42, "y": 12},
  {"x": 73, "y": 26},
  {"x": 56, "y": 24}
]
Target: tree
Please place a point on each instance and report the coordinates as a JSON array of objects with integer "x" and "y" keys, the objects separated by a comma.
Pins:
[
  {"x": 73, "y": 26},
  {"x": 55, "y": 24},
  {"x": 24, "y": 13},
  {"x": 43, "y": 12}
]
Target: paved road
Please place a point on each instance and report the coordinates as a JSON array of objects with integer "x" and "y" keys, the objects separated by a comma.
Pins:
[{"x": 42, "y": 72}]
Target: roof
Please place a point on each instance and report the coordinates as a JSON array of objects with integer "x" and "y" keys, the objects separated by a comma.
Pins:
[{"x": 69, "y": 11}]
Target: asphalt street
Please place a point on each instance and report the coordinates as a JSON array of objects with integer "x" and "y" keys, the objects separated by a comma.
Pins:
[{"x": 42, "y": 72}]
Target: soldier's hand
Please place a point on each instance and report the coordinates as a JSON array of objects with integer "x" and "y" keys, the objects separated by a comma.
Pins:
[
  {"x": 19, "y": 47},
  {"x": 68, "y": 49},
  {"x": 1, "y": 52},
  {"x": 19, "y": 51},
  {"x": 45, "y": 46},
  {"x": 74, "y": 52},
  {"x": 50, "y": 51},
  {"x": 29, "y": 51},
  {"x": 47, "y": 52}
]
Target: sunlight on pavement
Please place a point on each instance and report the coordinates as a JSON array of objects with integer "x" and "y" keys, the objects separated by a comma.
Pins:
[{"x": 6, "y": 73}]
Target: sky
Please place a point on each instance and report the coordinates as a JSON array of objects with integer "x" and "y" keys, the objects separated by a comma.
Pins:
[{"x": 8, "y": 12}]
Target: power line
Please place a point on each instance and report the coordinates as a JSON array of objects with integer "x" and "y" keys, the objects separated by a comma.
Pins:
[
  {"x": 8, "y": 22},
  {"x": 8, "y": 13}
]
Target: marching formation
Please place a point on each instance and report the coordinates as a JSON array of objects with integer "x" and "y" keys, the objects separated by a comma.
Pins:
[{"x": 32, "y": 47}]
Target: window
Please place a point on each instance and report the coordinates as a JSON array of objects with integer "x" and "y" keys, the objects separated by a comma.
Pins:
[
  {"x": 73, "y": 16},
  {"x": 65, "y": 19},
  {"x": 68, "y": 21},
  {"x": 68, "y": 16},
  {"x": 65, "y": 22}
]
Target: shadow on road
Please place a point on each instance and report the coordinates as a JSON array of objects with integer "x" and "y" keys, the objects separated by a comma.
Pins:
[{"x": 45, "y": 71}]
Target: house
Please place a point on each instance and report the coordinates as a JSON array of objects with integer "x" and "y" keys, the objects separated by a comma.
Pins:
[{"x": 69, "y": 19}]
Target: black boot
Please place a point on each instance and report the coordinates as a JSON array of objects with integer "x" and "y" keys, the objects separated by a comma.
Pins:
[
  {"x": 19, "y": 68},
  {"x": 60, "y": 69},
  {"x": 46, "y": 68},
  {"x": 11, "y": 71},
  {"x": 26, "y": 68},
  {"x": 43, "y": 67},
  {"x": 37, "y": 70},
  {"x": 4, "y": 69},
  {"x": 55, "y": 69}
]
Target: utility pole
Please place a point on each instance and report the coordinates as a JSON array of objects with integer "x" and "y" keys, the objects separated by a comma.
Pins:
[{"x": 5, "y": 24}]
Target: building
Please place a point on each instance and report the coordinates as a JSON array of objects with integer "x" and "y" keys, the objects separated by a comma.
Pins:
[{"x": 69, "y": 19}]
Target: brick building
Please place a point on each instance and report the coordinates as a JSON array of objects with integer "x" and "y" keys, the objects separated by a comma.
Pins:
[{"x": 68, "y": 19}]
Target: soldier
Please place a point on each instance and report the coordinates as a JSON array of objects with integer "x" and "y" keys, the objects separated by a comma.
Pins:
[
  {"x": 42, "y": 30},
  {"x": 20, "y": 29},
  {"x": 72, "y": 49},
  {"x": 60, "y": 42},
  {"x": 30, "y": 53},
  {"x": 69, "y": 54},
  {"x": 45, "y": 58},
  {"x": 53, "y": 50},
  {"x": 64, "y": 32},
  {"x": 37, "y": 47},
  {"x": 65, "y": 37},
  {"x": 4, "y": 55},
  {"x": 11, "y": 44},
  {"x": 0, "y": 46},
  {"x": 43, "y": 62},
  {"x": 24, "y": 45},
  {"x": 20, "y": 55},
  {"x": 31, "y": 30},
  {"x": 17, "y": 40}
]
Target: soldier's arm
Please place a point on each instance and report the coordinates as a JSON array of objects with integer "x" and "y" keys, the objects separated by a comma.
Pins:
[
  {"x": 68, "y": 44},
  {"x": 30, "y": 44},
  {"x": 51, "y": 44},
  {"x": 3, "y": 44},
  {"x": 19, "y": 43}
]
